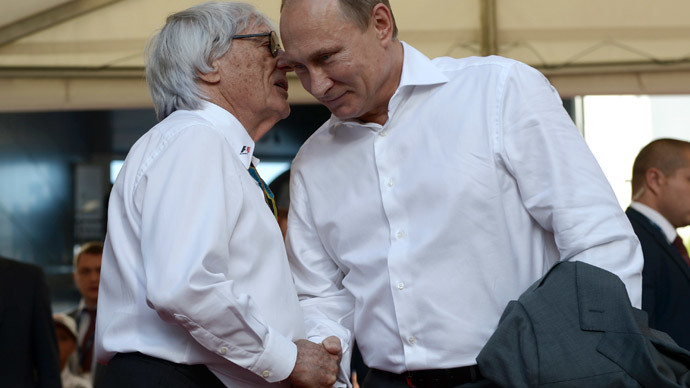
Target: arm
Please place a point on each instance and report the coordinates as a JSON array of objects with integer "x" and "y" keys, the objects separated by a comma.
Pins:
[
  {"x": 560, "y": 182},
  {"x": 189, "y": 212},
  {"x": 328, "y": 307}
]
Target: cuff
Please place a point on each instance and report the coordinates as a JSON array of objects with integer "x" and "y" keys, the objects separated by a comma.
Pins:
[{"x": 278, "y": 359}]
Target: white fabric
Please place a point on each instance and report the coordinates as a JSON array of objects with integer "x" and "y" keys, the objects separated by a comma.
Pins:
[
  {"x": 420, "y": 231},
  {"x": 666, "y": 227},
  {"x": 194, "y": 269},
  {"x": 70, "y": 380}
]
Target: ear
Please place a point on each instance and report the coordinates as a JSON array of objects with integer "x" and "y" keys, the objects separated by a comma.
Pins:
[
  {"x": 212, "y": 76},
  {"x": 382, "y": 20},
  {"x": 654, "y": 180}
]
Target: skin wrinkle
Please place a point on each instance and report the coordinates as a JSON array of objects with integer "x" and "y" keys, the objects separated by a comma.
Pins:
[
  {"x": 247, "y": 64},
  {"x": 359, "y": 71}
]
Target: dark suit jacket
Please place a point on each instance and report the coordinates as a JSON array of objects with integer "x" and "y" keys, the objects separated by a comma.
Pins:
[
  {"x": 576, "y": 328},
  {"x": 28, "y": 346},
  {"x": 665, "y": 281}
]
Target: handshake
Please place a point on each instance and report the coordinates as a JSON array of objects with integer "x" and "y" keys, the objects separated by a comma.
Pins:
[{"x": 317, "y": 364}]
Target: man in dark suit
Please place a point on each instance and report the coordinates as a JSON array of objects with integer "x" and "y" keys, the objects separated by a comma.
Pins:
[
  {"x": 660, "y": 204},
  {"x": 28, "y": 346}
]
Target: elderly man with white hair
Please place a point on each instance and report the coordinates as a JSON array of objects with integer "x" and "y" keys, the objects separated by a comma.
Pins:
[{"x": 195, "y": 287}]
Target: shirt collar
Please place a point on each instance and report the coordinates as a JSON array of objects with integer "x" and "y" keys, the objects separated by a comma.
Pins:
[
  {"x": 234, "y": 132},
  {"x": 656, "y": 218},
  {"x": 82, "y": 308},
  {"x": 417, "y": 70}
]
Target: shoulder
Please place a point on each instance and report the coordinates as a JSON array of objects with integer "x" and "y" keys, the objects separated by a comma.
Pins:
[
  {"x": 317, "y": 143},
  {"x": 490, "y": 66},
  {"x": 18, "y": 268},
  {"x": 186, "y": 122}
]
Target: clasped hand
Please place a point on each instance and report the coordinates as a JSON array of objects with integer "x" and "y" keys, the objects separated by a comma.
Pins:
[{"x": 317, "y": 364}]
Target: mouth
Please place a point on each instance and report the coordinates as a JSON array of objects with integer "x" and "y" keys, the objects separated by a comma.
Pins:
[
  {"x": 282, "y": 83},
  {"x": 331, "y": 99}
]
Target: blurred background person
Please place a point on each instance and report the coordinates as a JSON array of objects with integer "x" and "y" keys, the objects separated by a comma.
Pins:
[
  {"x": 28, "y": 346},
  {"x": 87, "y": 277},
  {"x": 66, "y": 332},
  {"x": 660, "y": 204}
]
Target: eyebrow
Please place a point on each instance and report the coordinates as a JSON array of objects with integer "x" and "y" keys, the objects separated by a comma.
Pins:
[{"x": 312, "y": 57}]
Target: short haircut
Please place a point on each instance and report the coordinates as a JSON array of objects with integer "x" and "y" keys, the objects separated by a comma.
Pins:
[
  {"x": 664, "y": 154},
  {"x": 89, "y": 248},
  {"x": 187, "y": 45},
  {"x": 359, "y": 12}
]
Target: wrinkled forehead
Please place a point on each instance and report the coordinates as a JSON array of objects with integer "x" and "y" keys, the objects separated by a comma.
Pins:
[
  {"x": 306, "y": 13},
  {"x": 311, "y": 23}
]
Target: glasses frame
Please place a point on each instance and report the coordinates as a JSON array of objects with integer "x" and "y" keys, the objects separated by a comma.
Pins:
[{"x": 273, "y": 43}]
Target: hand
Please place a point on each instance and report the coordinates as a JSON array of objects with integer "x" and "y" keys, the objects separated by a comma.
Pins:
[{"x": 317, "y": 365}]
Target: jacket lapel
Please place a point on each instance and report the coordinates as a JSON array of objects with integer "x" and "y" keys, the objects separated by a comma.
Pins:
[{"x": 660, "y": 239}]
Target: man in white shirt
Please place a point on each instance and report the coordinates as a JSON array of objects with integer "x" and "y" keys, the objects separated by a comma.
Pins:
[
  {"x": 661, "y": 203},
  {"x": 438, "y": 191},
  {"x": 196, "y": 289}
]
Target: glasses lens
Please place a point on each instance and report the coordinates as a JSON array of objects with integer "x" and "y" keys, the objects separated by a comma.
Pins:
[{"x": 274, "y": 43}]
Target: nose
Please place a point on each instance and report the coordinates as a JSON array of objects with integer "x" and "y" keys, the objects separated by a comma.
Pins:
[
  {"x": 281, "y": 61},
  {"x": 319, "y": 83}
]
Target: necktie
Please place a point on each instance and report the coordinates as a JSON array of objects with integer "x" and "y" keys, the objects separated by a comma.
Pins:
[
  {"x": 268, "y": 194},
  {"x": 678, "y": 243},
  {"x": 86, "y": 350}
]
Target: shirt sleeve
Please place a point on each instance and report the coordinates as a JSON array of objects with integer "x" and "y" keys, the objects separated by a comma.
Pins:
[
  {"x": 328, "y": 307},
  {"x": 192, "y": 199},
  {"x": 559, "y": 180}
]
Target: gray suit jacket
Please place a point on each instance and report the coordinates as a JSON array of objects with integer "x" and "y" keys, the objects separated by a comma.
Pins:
[{"x": 575, "y": 327}]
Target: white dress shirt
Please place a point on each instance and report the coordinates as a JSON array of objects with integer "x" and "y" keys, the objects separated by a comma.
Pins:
[
  {"x": 83, "y": 321},
  {"x": 194, "y": 269},
  {"x": 417, "y": 233}
]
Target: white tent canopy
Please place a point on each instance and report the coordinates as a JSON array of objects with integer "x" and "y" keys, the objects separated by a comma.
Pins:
[{"x": 88, "y": 54}]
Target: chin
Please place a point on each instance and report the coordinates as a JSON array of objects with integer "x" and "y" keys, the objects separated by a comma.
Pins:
[{"x": 285, "y": 112}]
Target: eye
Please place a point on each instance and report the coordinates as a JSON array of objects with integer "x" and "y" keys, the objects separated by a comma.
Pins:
[{"x": 325, "y": 57}]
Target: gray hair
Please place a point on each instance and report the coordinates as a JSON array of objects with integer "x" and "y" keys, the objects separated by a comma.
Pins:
[{"x": 187, "y": 45}]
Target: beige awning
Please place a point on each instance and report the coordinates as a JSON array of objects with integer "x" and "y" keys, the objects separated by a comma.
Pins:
[{"x": 88, "y": 54}]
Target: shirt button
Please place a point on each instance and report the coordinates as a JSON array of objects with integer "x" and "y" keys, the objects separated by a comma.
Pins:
[
  {"x": 412, "y": 340},
  {"x": 223, "y": 350},
  {"x": 266, "y": 373},
  {"x": 399, "y": 235},
  {"x": 401, "y": 285},
  {"x": 383, "y": 133},
  {"x": 390, "y": 183}
]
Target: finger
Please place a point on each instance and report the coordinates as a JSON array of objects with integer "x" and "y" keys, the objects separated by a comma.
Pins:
[{"x": 332, "y": 345}]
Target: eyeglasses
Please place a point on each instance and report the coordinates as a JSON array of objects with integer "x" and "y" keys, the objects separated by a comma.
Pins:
[{"x": 273, "y": 42}]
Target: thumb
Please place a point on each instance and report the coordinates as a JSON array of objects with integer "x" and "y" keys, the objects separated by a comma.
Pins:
[{"x": 332, "y": 345}]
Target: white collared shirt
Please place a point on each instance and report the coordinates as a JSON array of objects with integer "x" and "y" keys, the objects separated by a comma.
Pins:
[
  {"x": 417, "y": 233},
  {"x": 194, "y": 269},
  {"x": 83, "y": 322},
  {"x": 666, "y": 227}
]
